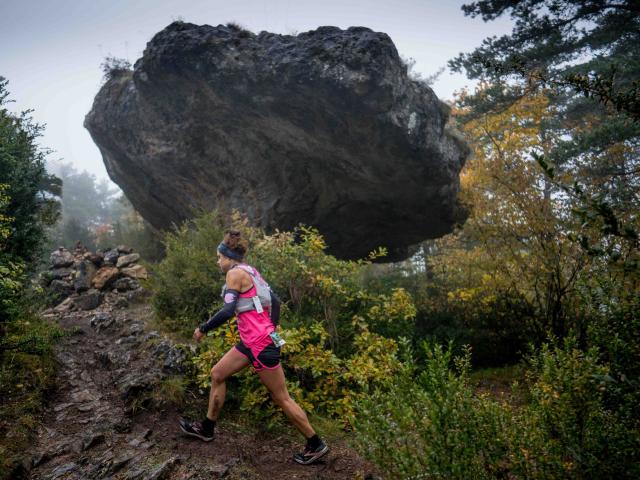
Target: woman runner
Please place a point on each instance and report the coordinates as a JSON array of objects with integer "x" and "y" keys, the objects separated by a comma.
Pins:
[{"x": 256, "y": 347}]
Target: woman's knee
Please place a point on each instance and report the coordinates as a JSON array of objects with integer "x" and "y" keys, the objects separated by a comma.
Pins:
[
  {"x": 281, "y": 398},
  {"x": 217, "y": 376}
]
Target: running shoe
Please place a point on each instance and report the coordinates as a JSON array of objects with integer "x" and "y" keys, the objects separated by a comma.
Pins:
[
  {"x": 310, "y": 455},
  {"x": 195, "y": 430}
]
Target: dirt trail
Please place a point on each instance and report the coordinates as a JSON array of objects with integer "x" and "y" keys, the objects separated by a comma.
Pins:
[{"x": 89, "y": 431}]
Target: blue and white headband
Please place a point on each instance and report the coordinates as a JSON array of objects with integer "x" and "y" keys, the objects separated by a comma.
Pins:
[{"x": 227, "y": 252}]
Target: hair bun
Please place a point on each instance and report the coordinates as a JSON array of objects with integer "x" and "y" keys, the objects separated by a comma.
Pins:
[{"x": 235, "y": 241}]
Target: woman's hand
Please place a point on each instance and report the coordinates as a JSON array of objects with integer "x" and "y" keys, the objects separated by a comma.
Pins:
[{"x": 197, "y": 334}]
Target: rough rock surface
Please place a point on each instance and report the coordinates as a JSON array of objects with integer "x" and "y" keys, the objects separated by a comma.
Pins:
[{"x": 324, "y": 128}]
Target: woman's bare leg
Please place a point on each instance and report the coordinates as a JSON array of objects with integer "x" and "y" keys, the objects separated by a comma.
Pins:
[
  {"x": 232, "y": 362},
  {"x": 274, "y": 381}
]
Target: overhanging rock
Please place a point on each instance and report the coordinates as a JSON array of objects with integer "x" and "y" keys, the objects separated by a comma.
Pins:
[{"x": 323, "y": 128}]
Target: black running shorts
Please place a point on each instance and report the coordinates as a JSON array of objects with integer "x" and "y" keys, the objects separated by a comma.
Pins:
[{"x": 268, "y": 358}]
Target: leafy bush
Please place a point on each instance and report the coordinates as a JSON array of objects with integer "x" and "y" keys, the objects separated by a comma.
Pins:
[
  {"x": 186, "y": 283},
  {"x": 431, "y": 424},
  {"x": 29, "y": 192},
  {"x": 567, "y": 429},
  {"x": 27, "y": 206},
  {"x": 27, "y": 369},
  {"x": 334, "y": 352}
]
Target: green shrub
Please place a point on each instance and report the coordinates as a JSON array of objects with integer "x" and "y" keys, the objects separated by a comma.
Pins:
[
  {"x": 431, "y": 424},
  {"x": 566, "y": 430},
  {"x": 186, "y": 283},
  {"x": 27, "y": 369}
]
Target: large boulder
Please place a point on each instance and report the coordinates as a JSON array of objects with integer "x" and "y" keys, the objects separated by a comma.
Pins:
[{"x": 324, "y": 128}]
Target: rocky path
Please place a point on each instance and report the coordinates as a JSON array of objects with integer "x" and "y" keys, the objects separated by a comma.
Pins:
[{"x": 100, "y": 424}]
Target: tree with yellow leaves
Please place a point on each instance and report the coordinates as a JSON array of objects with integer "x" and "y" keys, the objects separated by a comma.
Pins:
[{"x": 515, "y": 244}]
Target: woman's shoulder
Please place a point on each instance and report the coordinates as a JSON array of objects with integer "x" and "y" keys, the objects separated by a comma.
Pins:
[{"x": 238, "y": 277}]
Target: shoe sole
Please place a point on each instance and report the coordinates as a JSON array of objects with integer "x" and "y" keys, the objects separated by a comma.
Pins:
[
  {"x": 316, "y": 456},
  {"x": 204, "y": 439}
]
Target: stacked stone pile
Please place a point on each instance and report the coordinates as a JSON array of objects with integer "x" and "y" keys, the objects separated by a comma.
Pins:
[{"x": 79, "y": 280}]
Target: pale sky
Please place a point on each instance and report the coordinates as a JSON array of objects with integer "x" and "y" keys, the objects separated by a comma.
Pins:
[{"x": 51, "y": 50}]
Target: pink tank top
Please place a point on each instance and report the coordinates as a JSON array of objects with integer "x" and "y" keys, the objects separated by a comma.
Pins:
[{"x": 254, "y": 327}]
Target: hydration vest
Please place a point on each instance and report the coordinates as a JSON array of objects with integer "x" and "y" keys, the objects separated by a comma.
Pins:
[{"x": 263, "y": 292}]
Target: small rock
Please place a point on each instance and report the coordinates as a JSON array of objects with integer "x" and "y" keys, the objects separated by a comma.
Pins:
[
  {"x": 120, "y": 462},
  {"x": 135, "y": 271},
  {"x": 126, "y": 260},
  {"x": 60, "y": 288},
  {"x": 96, "y": 258},
  {"x": 126, "y": 283},
  {"x": 163, "y": 470},
  {"x": 103, "y": 358},
  {"x": 135, "y": 442},
  {"x": 101, "y": 321},
  {"x": 136, "y": 328},
  {"x": 92, "y": 441},
  {"x": 124, "y": 249},
  {"x": 60, "y": 273},
  {"x": 104, "y": 277},
  {"x": 83, "y": 396},
  {"x": 89, "y": 300},
  {"x": 151, "y": 335},
  {"x": 123, "y": 425},
  {"x": 64, "y": 306},
  {"x": 219, "y": 471},
  {"x": 61, "y": 258},
  {"x": 135, "y": 382},
  {"x": 138, "y": 295},
  {"x": 128, "y": 340},
  {"x": 134, "y": 474},
  {"x": 62, "y": 469},
  {"x": 62, "y": 406},
  {"x": 120, "y": 358},
  {"x": 84, "y": 274},
  {"x": 174, "y": 357},
  {"x": 121, "y": 303},
  {"x": 111, "y": 256}
]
